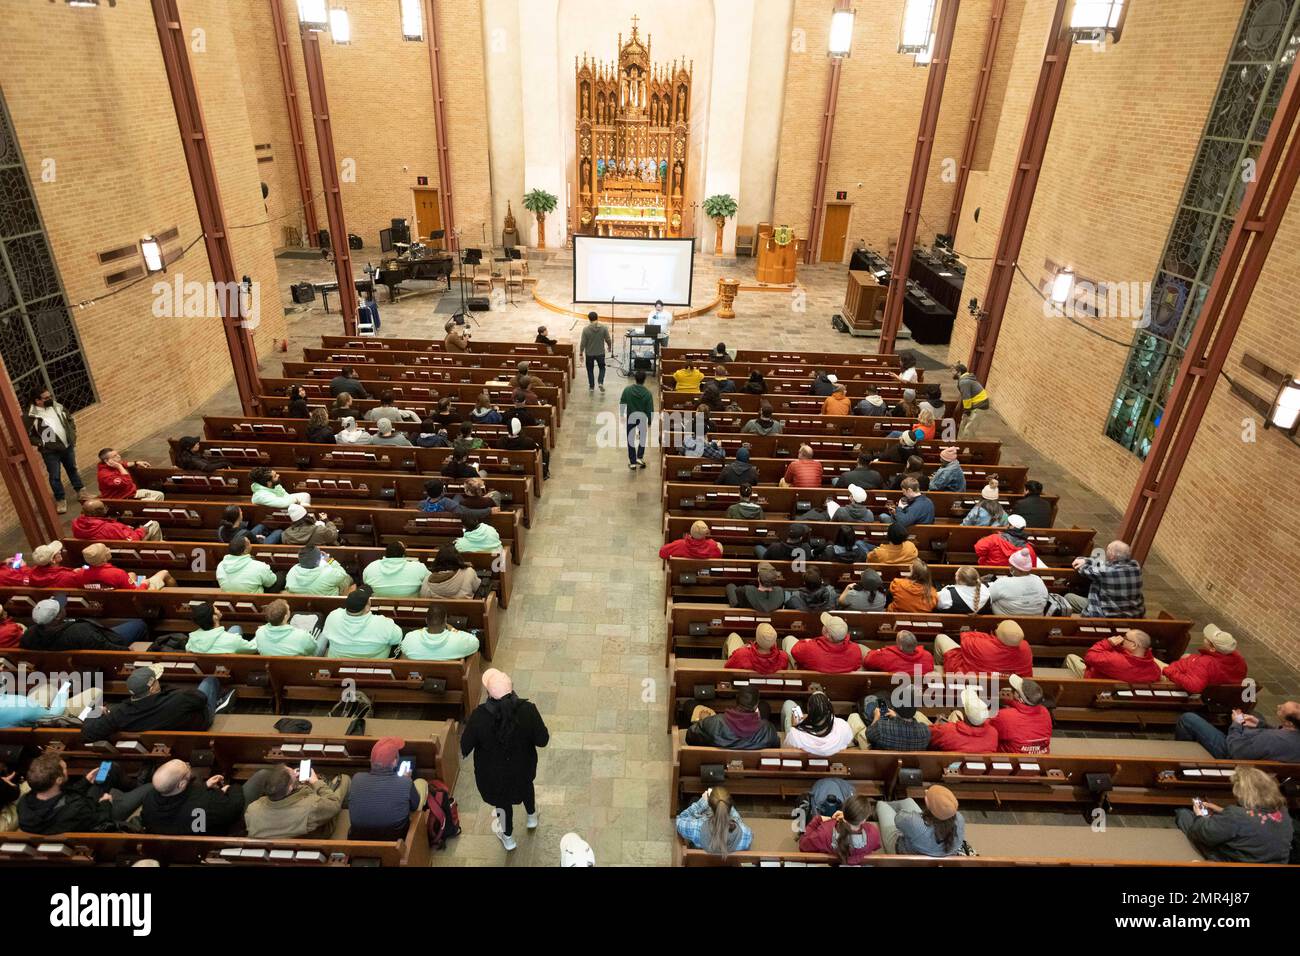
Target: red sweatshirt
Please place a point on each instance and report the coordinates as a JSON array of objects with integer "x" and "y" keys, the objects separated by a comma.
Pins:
[
  {"x": 817, "y": 839},
  {"x": 114, "y": 484},
  {"x": 819, "y": 654},
  {"x": 89, "y": 528},
  {"x": 11, "y": 633},
  {"x": 985, "y": 654},
  {"x": 688, "y": 547},
  {"x": 108, "y": 578},
  {"x": 750, "y": 658},
  {"x": 56, "y": 576},
  {"x": 994, "y": 550},
  {"x": 957, "y": 736},
  {"x": 1022, "y": 729},
  {"x": 893, "y": 661},
  {"x": 10, "y": 578},
  {"x": 1195, "y": 672},
  {"x": 1108, "y": 662}
]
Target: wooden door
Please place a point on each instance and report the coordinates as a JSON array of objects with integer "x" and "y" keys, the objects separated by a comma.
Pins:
[
  {"x": 835, "y": 232},
  {"x": 428, "y": 214}
]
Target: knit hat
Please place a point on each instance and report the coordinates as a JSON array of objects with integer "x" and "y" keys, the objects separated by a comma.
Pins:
[
  {"x": 575, "y": 851},
  {"x": 386, "y": 751},
  {"x": 907, "y": 439},
  {"x": 1220, "y": 640},
  {"x": 1017, "y": 522},
  {"x": 516, "y": 426},
  {"x": 832, "y": 379},
  {"x": 858, "y": 494},
  {"x": 973, "y": 707},
  {"x": 1022, "y": 560},
  {"x": 836, "y": 628},
  {"x": 296, "y": 512},
  {"x": 941, "y": 802},
  {"x": 909, "y": 394},
  {"x": 765, "y": 636},
  {"x": 46, "y": 554},
  {"x": 358, "y": 599},
  {"x": 385, "y": 426},
  {"x": 1010, "y": 633},
  {"x": 45, "y": 611},
  {"x": 990, "y": 492},
  {"x": 189, "y": 441},
  {"x": 948, "y": 454},
  {"x": 497, "y": 683}
]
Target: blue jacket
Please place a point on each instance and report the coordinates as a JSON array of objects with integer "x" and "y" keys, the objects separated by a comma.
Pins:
[
  {"x": 948, "y": 477},
  {"x": 920, "y": 510}
]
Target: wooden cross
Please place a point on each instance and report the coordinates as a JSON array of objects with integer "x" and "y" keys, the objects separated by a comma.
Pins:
[{"x": 634, "y": 23}]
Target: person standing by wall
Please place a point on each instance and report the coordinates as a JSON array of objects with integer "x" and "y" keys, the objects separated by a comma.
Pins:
[{"x": 54, "y": 434}]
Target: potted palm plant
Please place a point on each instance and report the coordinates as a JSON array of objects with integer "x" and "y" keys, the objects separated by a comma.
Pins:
[
  {"x": 539, "y": 202},
  {"x": 720, "y": 207}
]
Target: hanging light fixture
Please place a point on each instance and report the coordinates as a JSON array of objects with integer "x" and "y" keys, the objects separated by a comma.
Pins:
[
  {"x": 313, "y": 14},
  {"x": 1285, "y": 414},
  {"x": 1062, "y": 286},
  {"x": 412, "y": 20},
  {"x": 918, "y": 17},
  {"x": 340, "y": 26},
  {"x": 1094, "y": 21},
  {"x": 841, "y": 37},
  {"x": 152, "y": 252}
]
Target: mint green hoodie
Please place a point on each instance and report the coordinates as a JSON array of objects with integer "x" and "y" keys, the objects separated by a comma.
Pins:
[
  {"x": 217, "y": 640},
  {"x": 284, "y": 640},
  {"x": 328, "y": 579},
  {"x": 369, "y": 636},
  {"x": 244, "y": 574},
  {"x": 482, "y": 538},
  {"x": 272, "y": 497},
  {"x": 448, "y": 645},
  {"x": 395, "y": 577}
]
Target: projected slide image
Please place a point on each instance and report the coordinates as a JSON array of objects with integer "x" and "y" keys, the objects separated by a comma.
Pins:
[{"x": 632, "y": 271}]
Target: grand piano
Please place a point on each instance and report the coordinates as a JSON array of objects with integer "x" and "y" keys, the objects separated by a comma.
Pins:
[{"x": 429, "y": 266}]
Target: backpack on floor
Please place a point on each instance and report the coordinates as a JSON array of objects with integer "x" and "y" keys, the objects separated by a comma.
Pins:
[{"x": 444, "y": 815}]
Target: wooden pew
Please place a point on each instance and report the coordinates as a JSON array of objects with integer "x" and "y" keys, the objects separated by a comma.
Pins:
[
  {"x": 740, "y": 370},
  {"x": 285, "y": 428},
  {"x": 711, "y": 501},
  {"x": 856, "y": 387},
  {"x": 195, "y": 562},
  {"x": 1011, "y": 478},
  {"x": 407, "y": 392},
  {"x": 507, "y": 361},
  {"x": 941, "y": 543},
  {"x": 277, "y": 407},
  {"x": 793, "y": 404},
  {"x": 971, "y": 454},
  {"x": 332, "y": 488},
  {"x": 521, "y": 349},
  {"x": 109, "y": 849},
  {"x": 451, "y": 374},
  {"x": 700, "y": 630},
  {"x": 810, "y": 359},
  {"x": 812, "y": 424},
  {"x": 169, "y": 610},
  {"x": 1078, "y": 701}
]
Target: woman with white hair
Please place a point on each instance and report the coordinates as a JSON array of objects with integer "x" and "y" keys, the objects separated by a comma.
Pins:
[
  {"x": 351, "y": 434},
  {"x": 1257, "y": 830},
  {"x": 504, "y": 733}
]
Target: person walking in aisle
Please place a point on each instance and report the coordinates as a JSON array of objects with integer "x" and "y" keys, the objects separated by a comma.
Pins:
[
  {"x": 638, "y": 408},
  {"x": 54, "y": 434},
  {"x": 595, "y": 340},
  {"x": 504, "y": 733}
]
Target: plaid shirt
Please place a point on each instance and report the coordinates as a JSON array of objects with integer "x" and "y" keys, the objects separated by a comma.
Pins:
[
  {"x": 897, "y": 733},
  {"x": 695, "y": 819},
  {"x": 1116, "y": 588}
]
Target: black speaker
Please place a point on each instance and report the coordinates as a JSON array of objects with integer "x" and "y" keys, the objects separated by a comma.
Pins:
[
  {"x": 323, "y": 239},
  {"x": 838, "y": 323},
  {"x": 479, "y": 303},
  {"x": 303, "y": 292},
  {"x": 401, "y": 231},
  {"x": 354, "y": 241}
]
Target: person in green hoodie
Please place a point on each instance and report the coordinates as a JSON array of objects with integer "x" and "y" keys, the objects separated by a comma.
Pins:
[
  {"x": 317, "y": 573},
  {"x": 209, "y": 637},
  {"x": 264, "y": 483},
  {"x": 478, "y": 535},
  {"x": 438, "y": 642},
  {"x": 355, "y": 633},
  {"x": 746, "y": 507},
  {"x": 279, "y": 638},
  {"x": 638, "y": 408},
  {"x": 240, "y": 572},
  {"x": 393, "y": 575}
]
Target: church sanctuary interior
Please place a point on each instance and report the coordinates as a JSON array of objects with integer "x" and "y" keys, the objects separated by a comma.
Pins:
[{"x": 705, "y": 434}]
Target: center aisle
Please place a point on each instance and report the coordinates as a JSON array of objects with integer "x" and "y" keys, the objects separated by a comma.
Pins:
[{"x": 583, "y": 639}]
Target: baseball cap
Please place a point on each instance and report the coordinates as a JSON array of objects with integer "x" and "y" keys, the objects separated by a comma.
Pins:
[
  {"x": 836, "y": 627},
  {"x": 141, "y": 679},
  {"x": 45, "y": 611},
  {"x": 1030, "y": 691},
  {"x": 46, "y": 553},
  {"x": 386, "y": 751},
  {"x": 575, "y": 851},
  {"x": 1221, "y": 640},
  {"x": 357, "y": 600},
  {"x": 973, "y": 707},
  {"x": 857, "y": 494},
  {"x": 1009, "y": 632},
  {"x": 297, "y": 512}
]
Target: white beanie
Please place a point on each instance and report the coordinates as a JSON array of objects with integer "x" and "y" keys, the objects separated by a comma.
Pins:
[
  {"x": 296, "y": 512},
  {"x": 857, "y": 494}
]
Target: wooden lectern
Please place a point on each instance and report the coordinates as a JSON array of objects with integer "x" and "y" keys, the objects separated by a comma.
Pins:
[
  {"x": 777, "y": 265},
  {"x": 863, "y": 299}
]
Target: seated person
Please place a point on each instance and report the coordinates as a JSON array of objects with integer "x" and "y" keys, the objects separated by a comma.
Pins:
[
  {"x": 102, "y": 575},
  {"x": 233, "y": 523},
  {"x": 478, "y": 498},
  {"x": 872, "y": 405},
  {"x": 544, "y": 339},
  {"x": 466, "y": 440},
  {"x": 837, "y": 402},
  {"x": 1021, "y": 591},
  {"x": 937, "y": 830},
  {"x": 437, "y": 641},
  {"x": 152, "y": 706},
  {"x": 760, "y": 655},
  {"x": 270, "y": 493},
  {"x": 53, "y": 630},
  {"x": 1125, "y": 657},
  {"x": 913, "y": 507},
  {"x": 176, "y": 803},
  {"x": 291, "y": 808},
  {"x": 721, "y": 379},
  {"x": 948, "y": 476},
  {"x": 189, "y": 456},
  {"x": 862, "y": 475},
  {"x": 94, "y": 524},
  {"x": 386, "y": 434},
  {"x": 457, "y": 466},
  {"x": 516, "y": 440},
  {"x": 317, "y": 573},
  {"x": 45, "y": 701},
  {"x": 394, "y": 575},
  {"x": 995, "y": 550},
  {"x": 306, "y": 528},
  {"x": 1032, "y": 507},
  {"x": 1005, "y": 651},
  {"x": 847, "y": 834},
  {"x": 388, "y": 409},
  {"x": 687, "y": 378},
  {"x": 1248, "y": 736},
  {"x": 819, "y": 732},
  {"x": 890, "y": 724},
  {"x": 815, "y": 595},
  {"x": 847, "y": 548},
  {"x": 1114, "y": 584},
  {"x": 967, "y": 595},
  {"x": 804, "y": 472},
  {"x": 451, "y": 576},
  {"x": 867, "y": 593},
  {"x": 381, "y": 800},
  {"x": 988, "y": 511},
  {"x": 47, "y": 571},
  {"x": 829, "y": 653},
  {"x": 11, "y": 631},
  {"x": 1216, "y": 661},
  {"x": 1257, "y": 829},
  {"x": 746, "y": 508},
  {"x": 897, "y": 549},
  {"x": 1024, "y": 722},
  {"x": 209, "y": 637},
  {"x": 348, "y": 382},
  {"x": 280, "y": 637},
  {"x": 738, "y": 471},
  {"x": 431, "y": 435},
  {"x": 799, "y": 545},
  {"x": 967, "y": 730},
  {"x": 767, "y": 595},
  {"x": 54, "y": 803},
  {"x": 436, "y": 500},
  {"x": 913, "y": 467},
  {"x": 741, "y": 727},
  {"x": 354, "y": 632},
  {"x": 241, "y": 573},
  {"x": 319, "y": 430},
  {"x": 484, "y": 412},
  {"x": 765, "y": 424},
  {"x": 712, "y": 823},
  {"x": 913, "y": 593},
  {"x": 350, "y": 433},
  {"x": 905, "y": 656},
  {"x": 478, "y": 536},
  {"x": 696, "y": 544},
  {"x": 115, "y": 480}
]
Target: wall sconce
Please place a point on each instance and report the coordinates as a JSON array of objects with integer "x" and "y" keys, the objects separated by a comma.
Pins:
[
  {"x": 841, "y": 38},
  {"x": 340, "y": 26},
  {"x": 1095, "y": 21},
  {"x": 1062, "y": 286},
  {"x": 918, "y": 17},
  {"x": 152, "y": 252},
  {"x": 412, "y": 20},
  {"x": 313, "y": 14},
  {"x": 1285, "y": 414},
  {"x": 925, "y": 57}
]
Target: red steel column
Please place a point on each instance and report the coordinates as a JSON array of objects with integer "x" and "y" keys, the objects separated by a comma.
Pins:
[
  {"x": 893, "y": 317},
  {"x": 295, "y": 122},
  {"x": 1020, "y": 198},
  {"x": 1253, "y": 231},
  {"x": 440, "y": 127},
  {"x": 329, "y": 174},
  {"x": 996, "y": 15},
  {"x": 23, "y": 471},
  {"x": 207, "y": 197},
  {"x": 813, "y": 247}
]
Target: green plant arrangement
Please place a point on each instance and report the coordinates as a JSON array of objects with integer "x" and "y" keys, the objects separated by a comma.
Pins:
[
  {"x": 719, "y": 207},
  {"x": 539, "y": 202}
]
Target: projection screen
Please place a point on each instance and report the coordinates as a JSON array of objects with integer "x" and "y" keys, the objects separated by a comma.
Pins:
[{"x": 633, "y": 271}]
